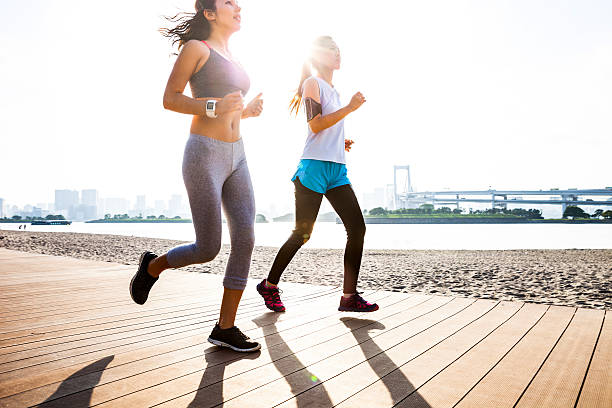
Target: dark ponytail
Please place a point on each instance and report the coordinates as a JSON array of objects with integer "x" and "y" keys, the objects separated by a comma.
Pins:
[{"x": 191, "y": 26}]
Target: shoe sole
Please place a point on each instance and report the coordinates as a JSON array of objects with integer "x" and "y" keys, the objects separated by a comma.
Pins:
[
  {"x": 134, "y": 277},
  {"x": 223, "y": 344},
  {"x": 344, "y": 309}
]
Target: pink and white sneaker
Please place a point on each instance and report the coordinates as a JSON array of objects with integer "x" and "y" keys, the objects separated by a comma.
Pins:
[
  {"x": 271, "y": 297},
  {"x": 356, "y": 303}
]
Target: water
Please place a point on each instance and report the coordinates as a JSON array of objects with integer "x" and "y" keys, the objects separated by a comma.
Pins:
[{"x": 398, "y": 236}]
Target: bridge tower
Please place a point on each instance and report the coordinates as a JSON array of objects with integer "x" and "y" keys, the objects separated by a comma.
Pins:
[{"x": 399, "y": 197}]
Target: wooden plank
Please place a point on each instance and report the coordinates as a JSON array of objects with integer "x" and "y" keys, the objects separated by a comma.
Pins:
[
  {"x": 107, "y": 304},
  {"x": 47, "y": 323},
  {"x": 559, "y": 380},
  {"x": 95, "y": 307},
  {"x": 120, "y": 369},
  {"x": 157, "y": 363},
  {"x": 156, "y": 347},
  {"x": 152, "y": 314},
  {"x": 597, "y": 389},
  {"x": 11, "y": 253},
  {"x": 447, "y": 387},
  {"x": 505, "y": 383},
  {"x": 62, "y": 348},
  {"x": 15, "y": 361},
  {"x": 272, "y": 384},
  {"x": 119, "y": 329},
  {"x": 384, "y": 360},
  {"x": 179, "y": 379},
  {"x": 137, "y": 315},
  {"x": 127, "y": 364},
  {"x": 392, "y": 386},
  {"x": 166, "y": 291}
]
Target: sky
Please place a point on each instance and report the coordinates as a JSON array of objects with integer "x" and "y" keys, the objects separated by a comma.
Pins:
[{"x": 471, "y": 94}]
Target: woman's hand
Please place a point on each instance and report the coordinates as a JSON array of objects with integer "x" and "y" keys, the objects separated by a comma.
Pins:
[
  {"x": 230, "y": 103},
  {"x": 347, "y": 144},
  {"x": 356, "y": 101},
  {"x": 253, "y": 108}
]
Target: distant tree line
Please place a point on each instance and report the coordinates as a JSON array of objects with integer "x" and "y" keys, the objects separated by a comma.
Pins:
[
  {"x": 48, "y": 217},
  {"x": 576, "y": 213},
  {"x": 138, "y": 217},
  {"x": 428, "y": 209}
]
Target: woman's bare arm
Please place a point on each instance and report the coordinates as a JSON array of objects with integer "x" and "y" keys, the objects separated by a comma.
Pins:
[
  {"x": 320, "y": 122},
  {"x": 192, "y": 55}
]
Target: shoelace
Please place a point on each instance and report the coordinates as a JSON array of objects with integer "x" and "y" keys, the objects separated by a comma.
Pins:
[
  {"x": 240, "y": 334},
  {"x": 276, "y": 295},
  {"x": 361, "y": 302}
]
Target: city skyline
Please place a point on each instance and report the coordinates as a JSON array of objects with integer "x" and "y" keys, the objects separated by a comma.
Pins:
[
  {"x": 81, "y": 207},
  {"x": 88, "y": 205},
  {"x": 512, "y": 95}
]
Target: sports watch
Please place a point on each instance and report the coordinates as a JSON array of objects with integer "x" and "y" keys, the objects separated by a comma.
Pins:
[{"x": 211, "y": 106}]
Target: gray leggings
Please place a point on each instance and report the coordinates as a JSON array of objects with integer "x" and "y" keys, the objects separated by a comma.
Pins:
[{"x": 216, "y": 174}]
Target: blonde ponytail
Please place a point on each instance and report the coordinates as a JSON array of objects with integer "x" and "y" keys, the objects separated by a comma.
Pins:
[
  {"x": 323, "y": 42},
  {"x": 295, "y": 103}
]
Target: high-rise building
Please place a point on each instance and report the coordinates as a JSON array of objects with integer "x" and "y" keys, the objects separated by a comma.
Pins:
[
  {"x": 88, "y": 210},
  {"x": 160, "y": 207},
  {"x": 89, "y": 197},
  {"x": 36, "y": 212},
  {"x": 174, "y": 206},
  {"x": 65, "y": 199},
  {"x": 141, "y": 203},
  {"x": 2, "y": 208}
]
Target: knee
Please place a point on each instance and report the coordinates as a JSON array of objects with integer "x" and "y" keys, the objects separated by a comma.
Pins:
[
  {"x": 249, "y": 240},
  {"x": 206, "y": 253},
  {"x": 356, "y": 231},
  {"x": 301, "y": 235},
  {"x": 243, "y": 237}
]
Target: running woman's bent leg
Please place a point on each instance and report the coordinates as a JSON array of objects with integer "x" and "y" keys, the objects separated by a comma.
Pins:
[
  {"x": 206, "y": 164},
  {"x": 346, "y": 205},
  {"x": 239, "y": 206},
  {"x": 307, "y": 204}
]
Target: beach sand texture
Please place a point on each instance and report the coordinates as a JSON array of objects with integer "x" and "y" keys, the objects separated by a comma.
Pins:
[{"x": 573, "y": 277}]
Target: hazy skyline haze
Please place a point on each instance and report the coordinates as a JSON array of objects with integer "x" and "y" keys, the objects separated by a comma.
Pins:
[{"x": 470, "y": 94}]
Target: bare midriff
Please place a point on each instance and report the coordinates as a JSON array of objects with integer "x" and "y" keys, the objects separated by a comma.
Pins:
[{"x": 225, "y": 128}]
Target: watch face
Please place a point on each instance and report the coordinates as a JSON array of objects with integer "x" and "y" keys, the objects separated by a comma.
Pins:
[{"x": 210, "y": 105}]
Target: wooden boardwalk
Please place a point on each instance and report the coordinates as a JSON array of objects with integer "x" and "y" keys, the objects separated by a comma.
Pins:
[{"x": 70, "y": 336}]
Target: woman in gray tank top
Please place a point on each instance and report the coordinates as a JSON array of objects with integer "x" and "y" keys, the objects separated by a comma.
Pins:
[{"x": 215, "y": 170}]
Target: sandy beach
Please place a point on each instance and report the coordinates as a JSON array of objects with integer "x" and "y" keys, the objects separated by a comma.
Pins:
[{"x": 581, "y": 278}]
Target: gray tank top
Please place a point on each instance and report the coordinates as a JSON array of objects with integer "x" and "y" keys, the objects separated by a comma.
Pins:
[{"x": 218, "y": 77}]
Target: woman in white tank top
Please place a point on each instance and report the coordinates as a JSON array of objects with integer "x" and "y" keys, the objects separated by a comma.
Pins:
[{"x": 322, "y": 172}]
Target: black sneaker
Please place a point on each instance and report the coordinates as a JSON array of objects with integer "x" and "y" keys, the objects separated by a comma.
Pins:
[
  {"x": 142, "y": 282},
  {"x": 232, "y": 338}
]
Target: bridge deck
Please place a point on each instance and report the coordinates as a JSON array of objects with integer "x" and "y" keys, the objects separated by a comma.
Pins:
[{"x": 71, "y": 337}]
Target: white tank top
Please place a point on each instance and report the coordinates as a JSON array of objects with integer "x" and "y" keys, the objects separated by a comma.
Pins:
[{"x": 328, "y": 144}]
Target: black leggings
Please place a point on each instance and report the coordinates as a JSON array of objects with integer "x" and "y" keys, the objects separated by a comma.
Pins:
[{"x": 307, "y": 204}]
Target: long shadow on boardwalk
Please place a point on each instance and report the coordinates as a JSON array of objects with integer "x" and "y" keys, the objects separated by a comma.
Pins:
[
  {"x": 210, "y": 390},
  {"x": 81, "y": 399},
  {"x": 399, "y": 386},
  {"x": 287, "y": 363}
]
